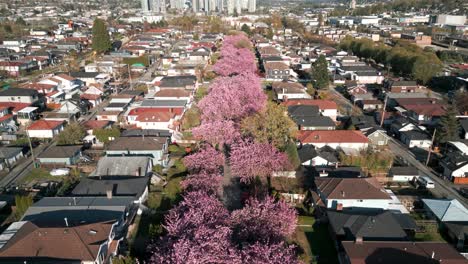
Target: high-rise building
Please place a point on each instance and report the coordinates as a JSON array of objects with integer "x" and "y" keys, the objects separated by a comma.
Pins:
[
  {"x": 238, "y": 7},
  {"x": 352, "y": 4},
  {"x": 234, "y": 6},
  {"x": 252, "y": 6},
  {"x": 158, "y": 6},
  {"x": 177, "y": 4}
]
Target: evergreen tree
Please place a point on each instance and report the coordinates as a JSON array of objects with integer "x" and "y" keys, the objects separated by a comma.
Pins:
[
  {"x": 320, "y": 73},
  {"x": 449, "y": 127},
  {"x": 101, "y": 39},
  {"x": 246, "y": 29}
]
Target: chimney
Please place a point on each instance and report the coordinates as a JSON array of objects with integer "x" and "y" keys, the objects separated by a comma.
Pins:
[
  {"x": 359, "y": 240},
  {"x": 339, "y": 207},
  {"x": 66, "y": 221},
  {"x": 74, "y": 200},
  {"x": 343, "y": 193},
  {"x": 109, "y": 193}
]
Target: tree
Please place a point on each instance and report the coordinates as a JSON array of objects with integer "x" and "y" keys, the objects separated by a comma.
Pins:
[
  {"x": 217, "y": 133},
  {"x": 203, "y": 181},
  {"x": 272, "y": 253},
  {"x": 101, "y": 40},
  {"x": 206, "y": 159},
  {"x": 233, "y": 98},
  {"x": 72, "y": 134},
  {"x": 425, "y": 67},
  {"x": 197, "y": 232},
  {"x": 246, "y": 29},
  {"x": 449, "y": 127},
  {"x": 271, "y": 125},
  {"x": 124, "y": 260},
  {"x": 22, "y": 203},
  {"x": 250, "y": 160},
  {"x": 264, "y": 221},
  {"x": 105, "y": 135},
  {"x": 235, "y": 61},
  {"x": 320, "y": 73}
]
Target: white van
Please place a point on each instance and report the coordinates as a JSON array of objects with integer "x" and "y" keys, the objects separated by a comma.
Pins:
[{"x": 425, "y": 182}]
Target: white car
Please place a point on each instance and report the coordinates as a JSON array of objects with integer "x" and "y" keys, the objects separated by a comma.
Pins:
[{"x": 60, "y": 172}]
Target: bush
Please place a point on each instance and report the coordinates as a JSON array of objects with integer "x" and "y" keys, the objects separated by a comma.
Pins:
[
  {"x": 293, "y": 155},
  {"x": 176, "y": 150}
]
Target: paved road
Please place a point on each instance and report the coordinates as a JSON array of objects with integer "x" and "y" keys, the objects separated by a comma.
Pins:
[
  {"x": 442, "y": 188},
  {"x": 343, "y": 102}
]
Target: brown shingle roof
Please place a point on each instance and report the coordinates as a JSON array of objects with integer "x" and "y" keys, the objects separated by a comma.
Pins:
[
  {"x": 137, "y": 143},
  {"x": 276, "y": 66},
  {"x": 351, "y": 188},
  {"x": 70, "y": 243}
]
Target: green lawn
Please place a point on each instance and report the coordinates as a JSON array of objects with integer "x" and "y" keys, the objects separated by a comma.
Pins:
[
  {"x": 39, "y": 174},
  {"x": 315, "y": 242}
]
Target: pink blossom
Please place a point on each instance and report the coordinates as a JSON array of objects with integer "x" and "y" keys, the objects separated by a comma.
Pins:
[
  {"x": 206, "y": 159},
  {"x": 250, "y": 159},
  {"x": 217, "y": 132},
  {"x": 203, "y": 181},
  {"x": 232, "y": 98},
  {"x": 235, "y": 61},
  {"x": 264, "y": 221},
  {"x": 278, "y": 253}
]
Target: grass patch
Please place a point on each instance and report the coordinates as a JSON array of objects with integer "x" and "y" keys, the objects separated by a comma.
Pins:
[
  {"x": 315, "y": 242},
  {"x": 38, "y": 175}
]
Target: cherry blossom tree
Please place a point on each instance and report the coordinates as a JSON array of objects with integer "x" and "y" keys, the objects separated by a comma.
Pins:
[
  {"x": 264, "y": 221},
  {"x": 232, "y": 98},
  {"x": 197, "y": 232},
  {"x": 217, "y": 132},
  {"x": 265, "y": 253},
  {"x": 234, "y": 61},
  {"x": 206, "y": 159},
  {"x": 203, "y": 181},
  {"x": 250, "y": 159}
]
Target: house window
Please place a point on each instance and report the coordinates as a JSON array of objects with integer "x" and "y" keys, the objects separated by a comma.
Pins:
[
  {"x": 12, "y": 98},
  {"x": 360, "y": 201}
]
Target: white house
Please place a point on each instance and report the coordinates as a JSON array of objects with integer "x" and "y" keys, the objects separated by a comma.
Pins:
[
  {"x": 45, "y": 129},
  {"x": 344, "y": 139}
]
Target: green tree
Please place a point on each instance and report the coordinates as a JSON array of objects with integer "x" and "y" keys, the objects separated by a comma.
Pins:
[
  {"x": 101, "y": 38},
  {"x": 425, "y": 68},
  {"x": 123, "y": 260},
  {"x": 22, "y": 203},
  {"x": 105, "y": 135},
  {"x": 72, "y": 134},
  {"x": 246, "y": 29},
  {"x": 271, "y": 125},
  {"x": 191, "y": 118},
  {"x": 320, "y": 73},
  {"x": 449, "y": 127},
  {"x": 310, "y": 89}
]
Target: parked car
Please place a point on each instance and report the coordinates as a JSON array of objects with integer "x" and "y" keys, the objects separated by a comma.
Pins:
[
  {"x": 464, "y": 192},
  {"x": 60, "y": 172},
  {"x": 425, "y": 182}
]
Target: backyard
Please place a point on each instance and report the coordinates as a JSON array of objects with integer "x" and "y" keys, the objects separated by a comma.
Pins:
[{"x": 315, "y": 242}]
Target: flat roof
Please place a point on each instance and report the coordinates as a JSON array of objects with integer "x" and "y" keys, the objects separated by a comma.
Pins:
[{"x": 28, "y": 109}]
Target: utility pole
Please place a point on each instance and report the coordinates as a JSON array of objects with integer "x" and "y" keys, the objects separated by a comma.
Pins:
[
  {"x": 130, "y": 77},
  {"x": 383, "y": 111},
  {"x": 31, "y": 149},
  {"x": 430, "y": 149}
]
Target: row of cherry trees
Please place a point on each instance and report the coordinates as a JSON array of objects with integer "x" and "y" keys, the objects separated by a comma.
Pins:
[{"x": 200, "y": 229}]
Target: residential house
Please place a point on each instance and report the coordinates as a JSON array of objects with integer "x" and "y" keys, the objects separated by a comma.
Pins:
[
  {"x": 17, "y": 68},
  {"x": 321, "y": 157},
  {"x": 370, "y": 104},
  {"x": 455, "y": 166},
  {"x": 60, "y": 155},
  {"x": 154, "y": 147},
  {"x": 269, "y": 51},
  {"x": 464, "y": 127},
  {"x": 123, "y": 166},
  {"x": 400, "y": 252},
  {"x": 9, "y": 156},
  {"x": 174, "y": 94},
  {"x": 370, "y": 226},
  {"x": 416, "y": 139},
  {"x": 403, "y": 174},
  {"x": 403, "y": 87},
  {"x": 136, "y": 187},
  {"x": 45, "y": 129},
  {"x": 314, "y": 122},
  {"x": 351, "y": 139},
  {"x": 289, "y": 90},
  {"x": 326, "y": 107},
  {"x": 277, "y": 71},
  {"x": 187, "y": 82},
  {"x": 356, "y": 194},
  {"x": 376, "y": 136},
  {"x": 292, "y": 189},
  {"x": 149, "y": 118},
  {"x": 20, "y": 95}
]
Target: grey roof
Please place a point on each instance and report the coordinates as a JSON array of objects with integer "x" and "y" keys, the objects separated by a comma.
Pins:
[
  {"x": 119, "y": 105},
  {"x": 368, "y": 226},
  {"x": 52, "y": 211},
  {"x": 447, "y": 210},
  {"x": 8, "y": 152},
  {"x": 60, "y": 152},
  {"x": 109, "y": 166},
  {"x": 303, "y": 110},
  {"x": 464, "y": 124},
  {"x": 120, "y": 186},
  {"x": 164, "y": 103},
  {"x": 416, "y": 135},
  {"x": 314, "y": 121},
  {"x": 404, "y": 83},
  {"x": 407, "y": 171},
  {"x": 18, "y": 92},
  {"x": 137, "y": 143},
  {"x": 146, "y": 133},
  {"x": 459, "y": 229},
  {"x": 307, "y": 152},
  {"x": 178, "y": 81},
  {"x": 83, "y": 74}
]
